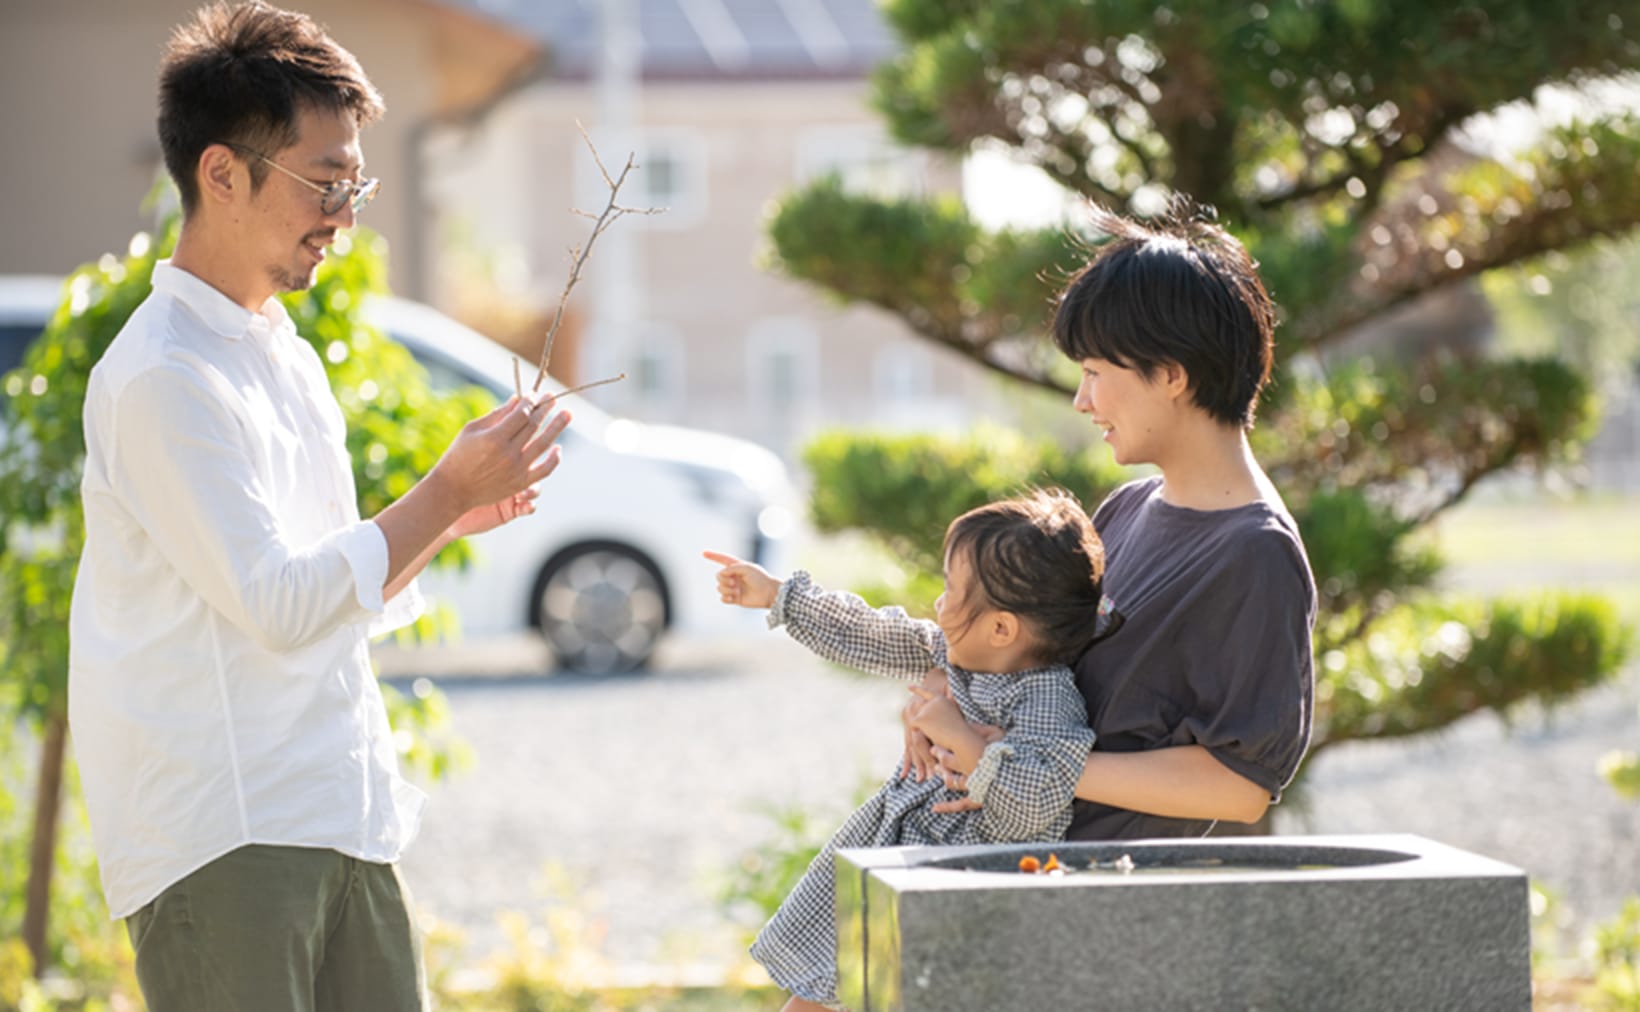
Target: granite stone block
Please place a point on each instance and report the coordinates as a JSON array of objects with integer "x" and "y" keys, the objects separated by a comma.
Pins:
[{"x": 1338, "y": 923}]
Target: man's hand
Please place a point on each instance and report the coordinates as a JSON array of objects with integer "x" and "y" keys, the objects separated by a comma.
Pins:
[
  {"x": 501, "y": 454},
  {"x": 744, "y": 583},
  {"x": 487, "y": 518}
]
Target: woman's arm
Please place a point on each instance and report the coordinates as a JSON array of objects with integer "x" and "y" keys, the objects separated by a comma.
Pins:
[{"x": 1180, "y": 782}]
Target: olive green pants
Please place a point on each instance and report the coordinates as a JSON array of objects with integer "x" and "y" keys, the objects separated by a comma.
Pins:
[{"x": 281, "y": 929}]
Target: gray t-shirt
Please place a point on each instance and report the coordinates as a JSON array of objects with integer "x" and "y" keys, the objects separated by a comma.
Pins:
[{"x": 1214, "y": 647}]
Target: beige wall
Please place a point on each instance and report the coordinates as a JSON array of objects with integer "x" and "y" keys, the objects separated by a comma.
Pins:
[
  {"x": 700, "y": 277},
  {"x": 79, "y": 84}
]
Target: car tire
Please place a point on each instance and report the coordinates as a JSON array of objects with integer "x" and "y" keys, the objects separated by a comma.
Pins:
[{"x": 602, "y": 608}]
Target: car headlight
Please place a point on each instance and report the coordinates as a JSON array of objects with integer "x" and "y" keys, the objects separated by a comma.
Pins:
[{"x": 775, "y": 522}]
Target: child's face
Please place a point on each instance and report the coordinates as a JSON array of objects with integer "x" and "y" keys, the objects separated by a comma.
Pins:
[{"x": 954, "y": 611}]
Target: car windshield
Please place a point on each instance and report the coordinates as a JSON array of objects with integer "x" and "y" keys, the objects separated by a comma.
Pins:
[{"x": 14, "y": 338}]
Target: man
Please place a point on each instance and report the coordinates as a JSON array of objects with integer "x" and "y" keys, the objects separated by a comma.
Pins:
[{"x": 232, "y": 742}]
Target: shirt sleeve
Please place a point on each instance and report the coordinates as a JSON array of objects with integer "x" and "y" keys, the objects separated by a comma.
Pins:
[
  {"x": 844, "y": 629},
  {"x": 1027, "y": 780},
  {"x": 1253, "y": 693},
  {"x": 184, "y": 470}
]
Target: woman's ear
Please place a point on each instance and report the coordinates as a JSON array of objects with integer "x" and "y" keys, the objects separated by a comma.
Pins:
[
  {"x": 217, "y": 174},
  {"x": 1175, "y": 380}
]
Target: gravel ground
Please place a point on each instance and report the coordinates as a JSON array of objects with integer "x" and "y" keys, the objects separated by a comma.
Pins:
[
  {"x": 1528, "y": 795},
  {"x": 644, "y": 790}
]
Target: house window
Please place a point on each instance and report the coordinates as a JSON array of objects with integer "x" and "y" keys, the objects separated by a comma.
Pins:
[
  {"x": 902, "y": 375},
  {"x": 783, "y": 365},
  {"x": 670, "y": 172},
  {"x": 658, "y": 368},
  {"x": 865, "y": 160}
]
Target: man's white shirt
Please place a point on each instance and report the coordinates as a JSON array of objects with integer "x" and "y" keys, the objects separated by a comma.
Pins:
[{"x": 220, "y": 688}]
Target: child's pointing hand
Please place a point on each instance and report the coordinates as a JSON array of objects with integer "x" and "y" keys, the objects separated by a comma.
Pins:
[{"x": 744, "y": 583}]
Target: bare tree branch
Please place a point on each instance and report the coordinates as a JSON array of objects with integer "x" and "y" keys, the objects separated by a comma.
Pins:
[{"x": 611, "y": 213}]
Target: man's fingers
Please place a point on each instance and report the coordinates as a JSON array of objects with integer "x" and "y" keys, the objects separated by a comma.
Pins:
[
  {"x": 496, "y": 414},
  {"x": 515, "y": 421},
  {"x": 536, "y": 440},
  {"x": 958, "y": 805},
  {"x": 917, "y": 690},
  {"x": 546, "y": 465}
]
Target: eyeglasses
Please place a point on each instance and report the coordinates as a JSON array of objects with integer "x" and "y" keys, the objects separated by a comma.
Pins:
[{"x": 332, "y": 196}]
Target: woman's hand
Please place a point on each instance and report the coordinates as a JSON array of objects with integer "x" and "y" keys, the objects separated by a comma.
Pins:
[
  {"x": 946, "y": 763},
  {"x": 919, "y": 762},
  {"x": 938, "y": 716}
]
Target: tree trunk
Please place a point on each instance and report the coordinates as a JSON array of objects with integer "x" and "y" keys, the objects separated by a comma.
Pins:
[{"x": 48, "y": 800}]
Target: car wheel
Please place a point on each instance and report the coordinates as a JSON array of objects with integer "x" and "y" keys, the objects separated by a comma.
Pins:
[{"x": 602, "y": 609}]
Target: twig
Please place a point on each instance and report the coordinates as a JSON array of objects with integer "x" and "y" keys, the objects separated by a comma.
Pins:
[
  {"x": 589, "y": 386},
  {"x": 578, "y": 257}
]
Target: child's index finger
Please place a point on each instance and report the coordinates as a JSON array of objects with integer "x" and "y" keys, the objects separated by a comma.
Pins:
[{"x": 722, "y": 559}]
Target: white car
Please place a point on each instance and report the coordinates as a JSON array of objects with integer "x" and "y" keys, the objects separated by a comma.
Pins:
[
  {"x": 610, "y": 562},
  {"x": 611, "y": 559}
]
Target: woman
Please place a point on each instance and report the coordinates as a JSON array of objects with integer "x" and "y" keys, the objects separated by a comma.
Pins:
[{"x": 1201, "y": 699}]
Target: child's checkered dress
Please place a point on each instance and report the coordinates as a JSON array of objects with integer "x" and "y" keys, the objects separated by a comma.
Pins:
[{"x": 1026, "y": 780}]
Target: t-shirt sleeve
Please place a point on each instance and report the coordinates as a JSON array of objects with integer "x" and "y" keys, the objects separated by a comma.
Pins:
[{"x": 1252, "y": 695}]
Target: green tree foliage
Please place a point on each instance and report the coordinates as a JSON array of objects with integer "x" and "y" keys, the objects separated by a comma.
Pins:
[
  {"x": 1617, "y": 962},
  {"x": 397, "y": 428},
  {"x": 1337, "y": 141}
]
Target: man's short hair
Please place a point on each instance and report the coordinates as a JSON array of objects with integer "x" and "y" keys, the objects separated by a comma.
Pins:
[
  {"x": 1177, "y": 289},
  {"x": 241, "y": 75}
]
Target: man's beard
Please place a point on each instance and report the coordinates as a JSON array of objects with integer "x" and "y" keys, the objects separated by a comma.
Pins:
[
  {"x": 291, "y": 281},
  {"x": 299, "y": 279}
]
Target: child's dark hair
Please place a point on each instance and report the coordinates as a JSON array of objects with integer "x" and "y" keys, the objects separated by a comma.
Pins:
[
  {"x": 1177, "y": 289},
  {"x": 1038, "y": 557},
  {"x": 240, "y": 76}
]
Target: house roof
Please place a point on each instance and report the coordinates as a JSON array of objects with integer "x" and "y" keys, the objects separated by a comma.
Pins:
[
  {"x": 712, "y": 39},
  {"x": 475, "y": 60}
]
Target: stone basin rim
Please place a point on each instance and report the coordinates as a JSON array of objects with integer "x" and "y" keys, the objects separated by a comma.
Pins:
[{"x": 1202, "y": 856}]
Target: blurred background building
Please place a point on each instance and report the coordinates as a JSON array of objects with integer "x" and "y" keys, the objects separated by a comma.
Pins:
[
  {"x": 80, "y": 84},
  {"x": 725, "y": 105}
]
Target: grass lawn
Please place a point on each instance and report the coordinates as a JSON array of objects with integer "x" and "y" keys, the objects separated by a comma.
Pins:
[{"x": 1579, "y": 544}]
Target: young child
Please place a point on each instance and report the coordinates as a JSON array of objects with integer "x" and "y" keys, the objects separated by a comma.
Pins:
[{"x": 1021, "y": 603}]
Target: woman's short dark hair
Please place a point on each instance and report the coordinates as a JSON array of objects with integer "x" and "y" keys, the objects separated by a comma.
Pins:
[
  {"x": 241, "y": 75},
  {"x": 1036, "y": 556},
  {"x": 1177, "y": 289}
]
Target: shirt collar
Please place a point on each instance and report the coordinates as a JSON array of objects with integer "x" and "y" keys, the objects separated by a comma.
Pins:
[{"x": 223, "y": 315}]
